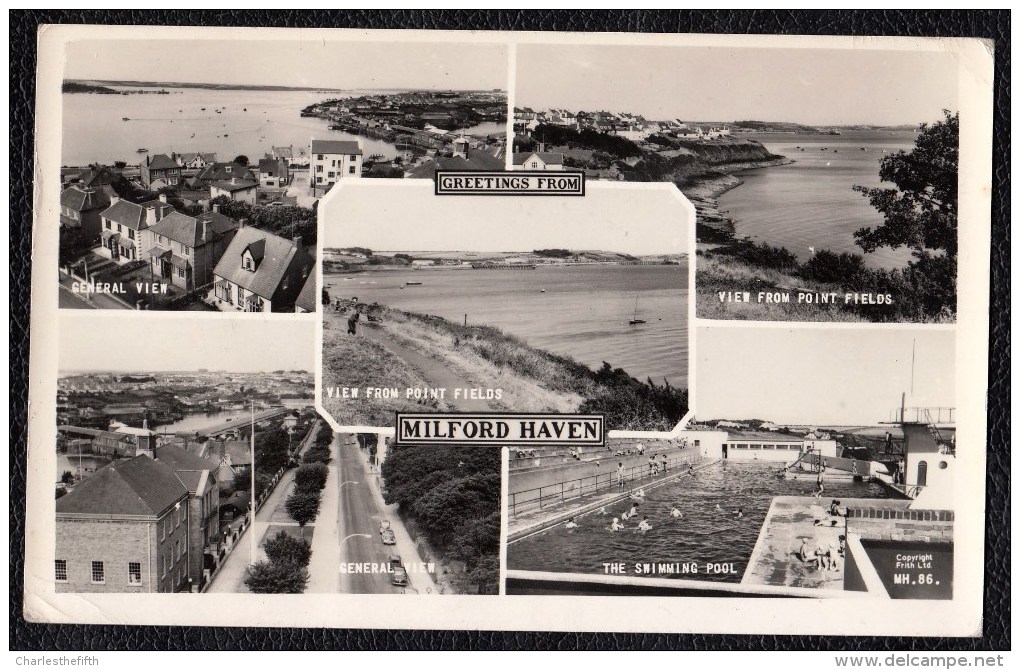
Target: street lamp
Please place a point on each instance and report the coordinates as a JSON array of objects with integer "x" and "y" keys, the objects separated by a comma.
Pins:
[{"x": 251, "y": 530}]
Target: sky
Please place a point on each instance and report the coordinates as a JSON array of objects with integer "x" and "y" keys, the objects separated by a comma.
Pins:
[
  {"x": 140, "y": 343},
  {"x": 307, "y": 63},
  {"x": 820, "y": 376},
  {"x": 410, "y": 217},
  {"x": 809, "y": 86}
]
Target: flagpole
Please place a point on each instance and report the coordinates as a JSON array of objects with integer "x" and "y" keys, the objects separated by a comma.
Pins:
[{"x": 251, "y": 531}]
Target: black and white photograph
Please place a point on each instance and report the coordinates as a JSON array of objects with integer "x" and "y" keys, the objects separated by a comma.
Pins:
[
  {"x": 190, "y": 182},
  {"x": 545, "y": 306},
  {"x": 834, "y": 479},
  {"x": 825, "y": 179}
]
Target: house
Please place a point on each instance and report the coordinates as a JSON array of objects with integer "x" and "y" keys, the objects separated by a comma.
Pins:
[
  {"x": 95, "y": 176},
  {"x": 465, "y": 157},
  {"x": 194, "y": 161},
  {"x": 261, "y": 272},
  {"x": 308, "y": 297},
  {"x": 240, "y": 190},
  {"x": 80, "y": 210},
  {"x": 215, "y": 172},
  {"x": 285, "y": 154},
  {"x": 123, "y": 223},
  {"x": 199, "y": 476},
  {"x": 160, "y": 168},
  {"x": 124, "y": 530},
  {"x": 542, "y": 160},
  {"x": 183, "y": 250},
  {"x": 273, "y": 172},
  {"x": 333, "y": 160}
]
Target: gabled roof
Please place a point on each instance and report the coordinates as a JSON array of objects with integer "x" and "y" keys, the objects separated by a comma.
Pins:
[
  {"x": 271, "y": 165},
  {"x": 478, "y": 159},
  {"x": 162, "y": 162},
  {"x": 191, "y": 469},
  {"x": 135, "y": 487},
  {"x": 219, "y": 172},
  {"x": 284, "y": 152},
  {"x": 307, "y": 298},
  {"x": 132, "y": 215},
  {"x": 547, "y": 157},
  {"x": 194, "y": 231},
  {"x": 257, "y": 249},
  {"x": 336, "y": 147},
  {"x": 83, "y": 200},
  {"x": 278, "y": 254},
  {"x": 207, "y": 157},
  {"x": 233, "y": 185}
]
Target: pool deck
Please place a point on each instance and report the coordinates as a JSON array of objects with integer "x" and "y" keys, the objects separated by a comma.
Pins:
[
  {"x": 537, "y": 520},
  {"x": 775, "y": 560}
]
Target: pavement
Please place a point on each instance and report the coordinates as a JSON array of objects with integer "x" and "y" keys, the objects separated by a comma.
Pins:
[
  {"x": 435, "y": 372},
  {"x": 361, "y": 509},
  {"x": 231, "y": 576}
]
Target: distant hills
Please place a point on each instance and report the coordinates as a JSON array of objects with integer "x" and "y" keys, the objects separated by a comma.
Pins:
[{"x": 184, "y": 84}]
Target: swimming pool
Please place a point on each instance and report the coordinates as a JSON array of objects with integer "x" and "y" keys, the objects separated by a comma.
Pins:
[{"x": 709, "y": 532}]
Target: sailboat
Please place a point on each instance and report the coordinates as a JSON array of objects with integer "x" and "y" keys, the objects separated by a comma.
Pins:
[{"x": 636, "y": 320}]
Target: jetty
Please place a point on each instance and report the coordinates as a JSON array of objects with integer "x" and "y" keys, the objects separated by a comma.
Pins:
[{"x": 503, "y": 266}]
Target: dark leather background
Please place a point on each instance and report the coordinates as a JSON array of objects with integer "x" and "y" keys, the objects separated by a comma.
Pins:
[{"x": 988, "y": 24}]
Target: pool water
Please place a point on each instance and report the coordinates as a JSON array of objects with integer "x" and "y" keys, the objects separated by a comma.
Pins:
[{"x": 709, "y": 532}]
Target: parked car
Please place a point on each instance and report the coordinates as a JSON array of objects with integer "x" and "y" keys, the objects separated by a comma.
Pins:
[
  {"x": 384, "y": 525},
  {"x": 398, "y": 575},
  {"x": 388, "y": 537}
]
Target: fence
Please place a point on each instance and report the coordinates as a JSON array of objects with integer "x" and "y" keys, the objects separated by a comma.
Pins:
[{"x": 570, "y": 489}]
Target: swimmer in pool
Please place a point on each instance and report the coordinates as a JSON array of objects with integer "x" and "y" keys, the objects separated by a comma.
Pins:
[
  {"x": 616, "y": 525},
  {"x": 570, "y": 523},
  {"x": 637, "y": 495},
  {"x": 631, "y": 512},
  {"x": 644, "y": 526},
  {"x": 602, "y": 511},
  {"x": 690, "y": 471},
  {"x": 740, "y": 513},
  {"x": 675, "y": 513},
  {"x": 717, "y": 508}
]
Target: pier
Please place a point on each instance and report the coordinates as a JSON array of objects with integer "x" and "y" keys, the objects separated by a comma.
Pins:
[
  {"x": 503, "y": 266},
  {"x": 242, "y": 423}
]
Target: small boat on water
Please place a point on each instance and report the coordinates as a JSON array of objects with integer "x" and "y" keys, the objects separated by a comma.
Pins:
[
  {"x": 125, "y": 119},
  {"x": 412, "y": 283},
  {"x": 635, "y": 321},
  {"x": 143, "y": 151}
]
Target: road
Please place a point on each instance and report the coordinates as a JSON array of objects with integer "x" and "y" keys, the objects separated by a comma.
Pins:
[
  {"x": 361, "y": 508},
  {"x": 71, "y": 300}
]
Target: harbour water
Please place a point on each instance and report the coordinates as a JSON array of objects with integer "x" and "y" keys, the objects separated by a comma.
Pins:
[
  {"x": 704, "y": 534},
  {"x": 580, "y": 311},
  {"x": 811, "y": 202},
  {"x": 228, "y": 123}
]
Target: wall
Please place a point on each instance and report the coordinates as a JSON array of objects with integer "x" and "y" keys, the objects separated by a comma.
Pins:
[{"x": 116, "y": 543}]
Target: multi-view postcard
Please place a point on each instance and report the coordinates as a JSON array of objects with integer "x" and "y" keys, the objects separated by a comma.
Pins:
[{"x": 586, "y": 332}]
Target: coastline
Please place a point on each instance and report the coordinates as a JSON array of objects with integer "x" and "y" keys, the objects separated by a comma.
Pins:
[{"x": 704, "y": 192}]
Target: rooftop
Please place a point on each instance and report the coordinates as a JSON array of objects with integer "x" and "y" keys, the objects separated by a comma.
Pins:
[
  {"x": 336, "y": 147},
  {"x": 276, "y": 253},
  {"x": 138, "y": 486}
]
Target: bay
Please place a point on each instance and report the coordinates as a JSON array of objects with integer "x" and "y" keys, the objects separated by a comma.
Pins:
[
  {"x": 811, "y": 202},
  {"x": 581, "y": 311}
]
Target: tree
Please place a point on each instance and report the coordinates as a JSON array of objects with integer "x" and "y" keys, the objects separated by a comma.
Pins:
[
  {"x": 325, "y": 297},
  {"x": 272, "y": 577},
  {"x": 311, "y": 477},
  {"x": 241, "y": 160},
  {"x": 285, "y": 548},
  {"x": 920, "y": 212},
  {"x": 303, "y": 506}
]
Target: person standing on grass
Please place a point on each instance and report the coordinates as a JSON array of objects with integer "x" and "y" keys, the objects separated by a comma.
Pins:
[
  {"x": 352, "y": 323},
  {"x": 619, "y": 476}
]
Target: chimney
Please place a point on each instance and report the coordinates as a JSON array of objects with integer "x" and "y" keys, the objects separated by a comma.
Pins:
[
  {"x": 242, "y": 223},
  {"x": 151, "y": 217},
  {"x": 233, "y": 180},
  {"x": 162, "y": 198},
  {"x": 216, "y": 207},
  {"x": 297, "y": 242},
  {"x": 114, "y": 199}
]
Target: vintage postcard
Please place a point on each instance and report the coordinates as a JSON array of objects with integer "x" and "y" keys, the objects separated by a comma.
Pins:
[{"x": 585, "y": 332}]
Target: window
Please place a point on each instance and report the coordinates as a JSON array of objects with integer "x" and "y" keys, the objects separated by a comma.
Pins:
[
  {"x": 131, "y": 234},
  {"x": 180, "y": 272},
  {"x": 61, "y": 570},
  {"x": 226, "y": 169},
  {"x": 98, "y": 572},
  {"x": 318, "y": 168},
  {"x": 318, "y": 180},
  {"x": 162, "y": 565},
  {"x": 354, "y": 158},
  {"x": 178, "y": 553},
  {"x": 333, "y": 164},
  {"x": 320, "y": 158},
  {"x": 186, "y": 250},
  {"x": 353, "y": 168},
  {"x": 109, "y": 225},
  {"x": 248, "y": 264},
  {"x": 332, "y": 175},
  {"x": 177, "y": 517},
  {"x": 534, "y": 165},
  {"x": 162, "y": 530},
  {"x": 135, "y": 573}
]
